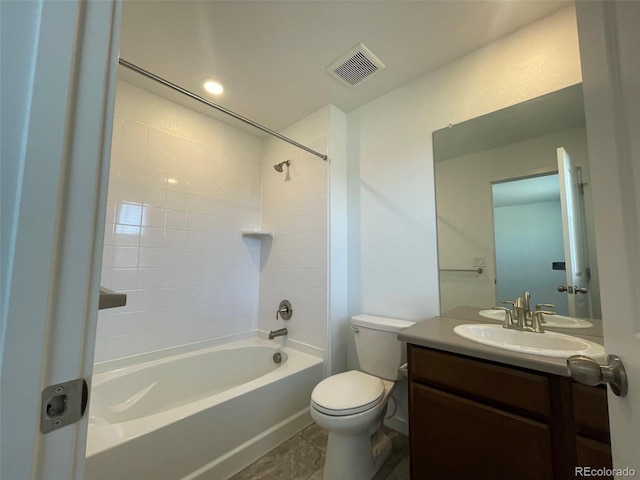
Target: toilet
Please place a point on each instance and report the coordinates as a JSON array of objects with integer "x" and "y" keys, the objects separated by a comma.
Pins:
[{"x": 352, "y": 405}]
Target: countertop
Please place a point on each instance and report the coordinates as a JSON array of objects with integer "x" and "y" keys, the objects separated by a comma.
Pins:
[{"x": 437, "y": 332}]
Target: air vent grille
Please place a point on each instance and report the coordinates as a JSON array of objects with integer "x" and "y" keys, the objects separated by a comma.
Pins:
[{"x": 355, "y": 66}]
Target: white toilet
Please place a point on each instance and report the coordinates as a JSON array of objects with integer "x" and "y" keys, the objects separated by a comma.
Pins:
[{"x": 352, "y": 405}]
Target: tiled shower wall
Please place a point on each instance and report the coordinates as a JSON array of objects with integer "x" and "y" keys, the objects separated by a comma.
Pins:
[
  {"x": 178, "y": 198},
  {"x": 294, "y": 262}
]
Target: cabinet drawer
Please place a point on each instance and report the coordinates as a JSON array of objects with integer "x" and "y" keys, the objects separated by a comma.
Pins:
[
  {"x": 477, "y": 379},
  {"x": 590, "y": 411}
]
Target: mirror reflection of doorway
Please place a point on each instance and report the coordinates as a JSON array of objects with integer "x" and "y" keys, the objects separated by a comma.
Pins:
[{"x": 528, "y": 235}]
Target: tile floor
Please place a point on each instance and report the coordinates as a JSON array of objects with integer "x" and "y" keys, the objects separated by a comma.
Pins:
[{"x": 302, "y": 457}]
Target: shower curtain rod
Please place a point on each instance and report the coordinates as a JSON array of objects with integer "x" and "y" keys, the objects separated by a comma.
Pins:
[{"x": 220, "y": 108}]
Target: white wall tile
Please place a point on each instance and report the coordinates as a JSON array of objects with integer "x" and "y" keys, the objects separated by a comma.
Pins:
[
  {"x": 183, "y": 284},
  {"x": 175, "y": 219},
  {"x": 195, "y": 222},
  {"x": 126, "y": 235},
  {"x": 152, "y": 237},
  {"x": 133, "y": 151},
  {"x": 155, "y": 197},
  {"x": 129, "y": 192},
  {"x": 124, "y": 278},
  {"x": 156, "y": 177},
  {"x": 159, "y": 139},
  {"x": 135, "y": 132},
  {"x": 131, "y": 172},
  {"x": 124, "y": 257},
  {"x": 153, "y": 217},
  {"x": 158, "y": 158},
  {"x": 294, "y": 203},
  {"x": 174, "y": 238},
  {"x": 176, "y": 200}
]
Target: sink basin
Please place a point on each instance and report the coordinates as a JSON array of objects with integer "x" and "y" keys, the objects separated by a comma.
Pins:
[
  {"x": 555, "y": 321},
  {"x": 550, "y": 344}
]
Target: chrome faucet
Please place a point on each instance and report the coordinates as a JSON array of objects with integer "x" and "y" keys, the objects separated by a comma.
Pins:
[
  {"x": 526, "y": 305},
  {"x": 281, "y": 332},
  {"x": 520, "y": 317}
]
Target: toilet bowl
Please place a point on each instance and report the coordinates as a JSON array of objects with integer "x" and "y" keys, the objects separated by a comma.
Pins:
[
  {"x": 351, "y": 406},
  {"x": 351, "y": 451}
]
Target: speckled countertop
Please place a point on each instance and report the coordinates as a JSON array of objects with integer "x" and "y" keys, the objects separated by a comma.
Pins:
[{"x": 437, "y": 332}]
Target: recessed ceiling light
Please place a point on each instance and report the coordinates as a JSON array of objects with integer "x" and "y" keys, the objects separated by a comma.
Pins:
[{"x": 213, "y": 87}]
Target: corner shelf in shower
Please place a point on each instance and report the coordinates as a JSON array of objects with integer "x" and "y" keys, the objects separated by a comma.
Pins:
[{"x": 254, "y": 232}]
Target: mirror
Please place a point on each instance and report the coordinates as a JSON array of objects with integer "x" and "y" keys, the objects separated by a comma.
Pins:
[{"x": 511, "y": 217}]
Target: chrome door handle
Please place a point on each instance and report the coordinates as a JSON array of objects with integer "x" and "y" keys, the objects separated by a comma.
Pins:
[
  {"x": 571, "y": 289},
  {"x": 587, "y": 371}
]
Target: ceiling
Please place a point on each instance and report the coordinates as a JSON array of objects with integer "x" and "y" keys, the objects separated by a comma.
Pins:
[
  {"x": 271, "y": 56},
  {"x": 544, "y": 188}
]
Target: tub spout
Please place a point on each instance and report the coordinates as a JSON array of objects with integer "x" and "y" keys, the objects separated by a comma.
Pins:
[{"x": 277, "y": 333}]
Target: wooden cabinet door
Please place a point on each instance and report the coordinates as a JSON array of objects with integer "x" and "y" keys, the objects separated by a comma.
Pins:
[{"x": 458, "y": 439}]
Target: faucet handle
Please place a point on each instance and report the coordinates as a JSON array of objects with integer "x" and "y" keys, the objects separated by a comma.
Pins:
[
  {"x": 546, "y": 305},
  {"x": 285, "y": 311},
  {"x": 508, "y": 319},
  {"x": 538, "y": 319},
  {"x": 508, "y": 302}
]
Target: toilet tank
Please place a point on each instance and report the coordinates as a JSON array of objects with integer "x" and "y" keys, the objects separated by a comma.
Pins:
[{"x": 379, "y": 351}]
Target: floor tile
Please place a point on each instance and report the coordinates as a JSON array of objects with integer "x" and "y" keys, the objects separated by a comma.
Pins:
[
  {"x": 401, "y": 472},
  {"x": 295, "y": 459},
  {"x": 302, "y": 458},
  {"x": 316, "y": 436}
]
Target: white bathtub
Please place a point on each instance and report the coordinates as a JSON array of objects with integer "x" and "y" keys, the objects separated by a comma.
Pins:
[{"x": 205, "y": 414}]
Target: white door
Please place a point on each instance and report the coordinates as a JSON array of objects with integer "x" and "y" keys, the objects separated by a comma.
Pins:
[
  {"x": 58, "y": 81},
  {"x": 573, "y": 233},
  {"x": 609, "y": 45}
]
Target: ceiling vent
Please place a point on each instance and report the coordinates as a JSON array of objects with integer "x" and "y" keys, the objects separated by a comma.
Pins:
[{"x": 355, "y": 66}]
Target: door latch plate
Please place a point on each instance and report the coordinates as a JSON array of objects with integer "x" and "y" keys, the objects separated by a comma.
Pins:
[{"x": 63, "y": 404}]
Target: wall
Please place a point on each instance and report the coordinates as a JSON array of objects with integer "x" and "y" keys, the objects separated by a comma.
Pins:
[
  {"x": 306, "y": 208},
  {"x": 392, "y": 236},
  {"x": 295, "y": 206},
  {"x": 392, "y": 250},
  {"x": 181, "y": 187},
  {"x": 529, "y": 238}
]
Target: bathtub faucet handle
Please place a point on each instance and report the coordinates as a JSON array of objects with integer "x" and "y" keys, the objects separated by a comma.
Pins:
[{"x": 284, "y": 310}]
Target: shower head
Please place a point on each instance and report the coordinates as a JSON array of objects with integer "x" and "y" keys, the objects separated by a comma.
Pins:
[{"x": 278, "y": 167}]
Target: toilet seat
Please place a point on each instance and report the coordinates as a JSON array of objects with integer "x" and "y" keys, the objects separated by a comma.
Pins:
[{"x": 347, "y": 393}]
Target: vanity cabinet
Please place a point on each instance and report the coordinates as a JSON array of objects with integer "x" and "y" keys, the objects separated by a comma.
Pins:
[{"x": 475, "y": 419}]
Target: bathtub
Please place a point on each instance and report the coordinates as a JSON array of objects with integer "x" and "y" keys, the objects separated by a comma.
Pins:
[{"x": 204, "y": 414}]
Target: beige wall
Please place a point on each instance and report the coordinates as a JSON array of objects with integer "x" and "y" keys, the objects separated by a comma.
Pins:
[{"x": 393, "y": 254}]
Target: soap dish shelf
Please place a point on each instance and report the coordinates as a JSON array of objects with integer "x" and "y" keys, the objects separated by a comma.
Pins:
[{"x": 251, "y": 232}]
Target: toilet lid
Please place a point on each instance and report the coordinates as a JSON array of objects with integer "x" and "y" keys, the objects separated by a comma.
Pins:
[{"x": 347, "y": 393}]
